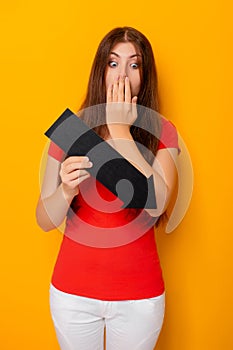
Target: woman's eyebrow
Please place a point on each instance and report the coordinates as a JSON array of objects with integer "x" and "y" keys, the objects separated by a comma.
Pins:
[{"x": 134, "y": 55}]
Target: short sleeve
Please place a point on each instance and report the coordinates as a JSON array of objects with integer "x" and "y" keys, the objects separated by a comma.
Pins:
[
  {"x": 56, "y": 152},
  {"x": 169, "y": 135}
]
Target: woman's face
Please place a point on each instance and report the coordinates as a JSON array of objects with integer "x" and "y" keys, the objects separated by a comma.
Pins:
[{"x": 124, "y": 60}]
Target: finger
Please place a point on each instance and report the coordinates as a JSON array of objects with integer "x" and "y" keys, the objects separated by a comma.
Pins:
[
  {"x": 134, "y": 100},
  {"x": 115, "y": 90},
  {"x": 127, "y": 91},
  {"x": 75, "y": 175},
  {"x": 109, "y": 93},
  {"x": 69, "y": 178},
  {"x": 121, "y": 89},
  {"x": 77, "y": 181},
  {"x": 73, "y": 159},
  {"x": 76, "y": 166},
  {"x": 134, "y": 106},
  {"x": 69, "y": 168},
  {"x": 81, "y": 179}
]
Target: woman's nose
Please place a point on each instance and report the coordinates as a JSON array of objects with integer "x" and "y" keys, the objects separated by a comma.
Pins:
[{"x": 123, "y": 71}]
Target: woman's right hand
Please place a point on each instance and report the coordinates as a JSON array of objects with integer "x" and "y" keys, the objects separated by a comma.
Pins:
[{"x": 72, "y": 173}]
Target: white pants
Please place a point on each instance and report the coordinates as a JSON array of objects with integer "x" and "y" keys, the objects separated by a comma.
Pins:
[{"x": 130, "y": 324}]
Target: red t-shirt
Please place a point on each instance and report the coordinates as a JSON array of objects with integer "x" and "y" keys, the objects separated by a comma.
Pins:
[{"x": 107, "y": 252}]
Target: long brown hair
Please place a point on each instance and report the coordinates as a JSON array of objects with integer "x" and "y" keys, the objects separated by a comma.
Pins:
[{"x": 147, "y": 96}]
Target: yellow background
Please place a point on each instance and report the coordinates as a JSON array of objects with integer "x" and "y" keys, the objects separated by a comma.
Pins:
[{"x": 47, "y": 48}]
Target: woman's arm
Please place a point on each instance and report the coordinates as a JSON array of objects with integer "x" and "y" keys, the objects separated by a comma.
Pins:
[
  {"x": 60, "y": 185},
  {"x": 163, "y": 169},
  {"x": 121, "y": 112}
]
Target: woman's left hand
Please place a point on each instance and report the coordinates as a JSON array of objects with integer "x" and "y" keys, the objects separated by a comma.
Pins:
[{"x": 121, "y": 108}]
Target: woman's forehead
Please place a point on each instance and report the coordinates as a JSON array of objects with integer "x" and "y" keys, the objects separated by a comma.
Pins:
[{"x": 125, "y": 50}]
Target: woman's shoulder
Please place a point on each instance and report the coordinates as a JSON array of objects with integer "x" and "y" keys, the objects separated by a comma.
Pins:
[
  {"x": 56, "y": 152},
  {"x": 169, "y": 135}
]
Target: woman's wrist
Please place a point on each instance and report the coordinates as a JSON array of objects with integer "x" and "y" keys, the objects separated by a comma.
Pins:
[
  {"x": 68, "y": 194},
  {"x": 119, "y": 131}
]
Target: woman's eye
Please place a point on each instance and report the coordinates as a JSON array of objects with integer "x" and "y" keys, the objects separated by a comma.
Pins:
[
  {"x": 112, "y": 64},
  {"x": 134, "y": 65}
]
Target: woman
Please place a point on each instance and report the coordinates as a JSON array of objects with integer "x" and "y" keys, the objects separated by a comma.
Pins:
[{"x": 118, "y": 285}]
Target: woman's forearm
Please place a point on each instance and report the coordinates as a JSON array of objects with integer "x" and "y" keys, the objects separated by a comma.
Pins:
[
  {"x": 124, "y": 143},
  {"x": 52, "y": 210}
]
